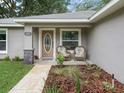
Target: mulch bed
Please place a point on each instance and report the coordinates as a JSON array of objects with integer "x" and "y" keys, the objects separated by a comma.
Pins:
[{"x": 93, "y": 82}]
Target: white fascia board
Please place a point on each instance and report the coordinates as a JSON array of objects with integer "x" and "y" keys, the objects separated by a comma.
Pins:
[
  {"x": 104, "y": 11},
  {"x": 52, "y": 20},
  {"x": 11, "y": 25}
]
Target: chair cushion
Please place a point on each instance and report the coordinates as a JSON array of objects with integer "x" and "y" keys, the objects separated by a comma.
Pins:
[
  {"x": 79, "y": 52},
  {"x": 62, "y": 50}
]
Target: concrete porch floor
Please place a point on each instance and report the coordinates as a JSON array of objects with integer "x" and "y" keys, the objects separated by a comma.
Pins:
[{"x": 50, "y": 62}]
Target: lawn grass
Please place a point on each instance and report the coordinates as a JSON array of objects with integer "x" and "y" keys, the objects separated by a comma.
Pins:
[{"x": 11, "y": 73}]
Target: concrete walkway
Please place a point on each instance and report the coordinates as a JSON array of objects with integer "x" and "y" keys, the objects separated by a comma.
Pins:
[{"x": 34, "y": 81}]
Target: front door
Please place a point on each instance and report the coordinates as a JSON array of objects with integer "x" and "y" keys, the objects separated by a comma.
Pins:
[{"x": 47, "y": 44}]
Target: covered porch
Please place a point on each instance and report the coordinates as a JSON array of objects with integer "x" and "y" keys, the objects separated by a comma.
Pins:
[
  {"x": 43, "y": 34},
  {"x": 42, "y": 40}
]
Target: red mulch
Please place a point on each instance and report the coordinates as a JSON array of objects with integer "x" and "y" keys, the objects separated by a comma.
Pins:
[{"x": 94, "y": 84}]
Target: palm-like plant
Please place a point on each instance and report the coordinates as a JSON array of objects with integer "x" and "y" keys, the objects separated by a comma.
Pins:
[{"x": 52, "y": 89}]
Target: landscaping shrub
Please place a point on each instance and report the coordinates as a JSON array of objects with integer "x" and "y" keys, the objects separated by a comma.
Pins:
[
  {"x": 78, "y": 84},
  {"x": 82, "y": 79},
  {"x": 52, "y": 89},
  {"x": 17, "y": 58},
  {"x": 108, "y": 86},
  {"x": 60, "y": 71},
  {"x": 60, "y": 59},
  {"x": 71, "y": 72},
  {"x": 7, "y": 58}
]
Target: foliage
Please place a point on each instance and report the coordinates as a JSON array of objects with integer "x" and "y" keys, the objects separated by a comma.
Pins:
[
  {"x": 91, "y": 5},
  {"x": 78, "y": 84},
  {"x": 93, "y": 67},
  {"x": 9, "y": 8},
  {"x": 16, "y": 58},
  {"x": 60, "y": 71},
  {"x": 96, "y": 74},
  {"x": 60, "y": 59},
  {"x": 7, "y": 58},
  {"x": 71, "y": 72},
  {"x": 15, "y": 8},
  {"x": 11, "y": 73},
  {"x": 107, "y": 86},
  {"x": 52, "y": 89}
]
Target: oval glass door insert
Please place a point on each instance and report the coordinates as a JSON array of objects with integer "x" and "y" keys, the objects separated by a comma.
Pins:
[{"x": 47, "y": 42}]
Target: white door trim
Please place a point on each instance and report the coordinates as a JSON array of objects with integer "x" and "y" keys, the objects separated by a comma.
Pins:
[{"x": 40, "y": 40}]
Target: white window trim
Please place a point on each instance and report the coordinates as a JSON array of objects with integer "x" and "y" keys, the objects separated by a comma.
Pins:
[
  {"x": 70, "y": 29},
  {"x": 6, "y": 51}
]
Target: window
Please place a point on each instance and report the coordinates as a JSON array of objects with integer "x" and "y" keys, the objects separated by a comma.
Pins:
[
  {"x": 70, "y": 38},
  {"x": 3, "y": 41}
]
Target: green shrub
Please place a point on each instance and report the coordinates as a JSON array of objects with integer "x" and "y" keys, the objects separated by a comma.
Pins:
[
  {"x": 7, "y": 58},
  {"x": 16, "y": 58},
  {"x": 107, "y": 86},
  {"x": 60, "y": 59},
  {"x": 60, "y": 71},
  {"x": 71, "y": 72},
  {"x": 52, "y": 89},
  {"x": 78, "y": 84},
  {"x": 96, "y": 74}
]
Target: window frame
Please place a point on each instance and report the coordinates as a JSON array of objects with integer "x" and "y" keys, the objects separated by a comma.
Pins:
[
  {"x": 5, "y": 51},
  {"x": 71, "y": 29}
]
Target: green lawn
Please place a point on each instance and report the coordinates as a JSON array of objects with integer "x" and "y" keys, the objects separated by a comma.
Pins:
[{"x": 11, "y": 73}]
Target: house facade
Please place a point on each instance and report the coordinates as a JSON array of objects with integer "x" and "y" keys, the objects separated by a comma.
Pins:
[
  {"x": 101, "y": 33},
  {"x": 40, "y": 36}
]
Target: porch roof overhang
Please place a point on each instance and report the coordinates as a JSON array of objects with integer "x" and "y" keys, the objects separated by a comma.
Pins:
[
  {"x": 111, "y": 7},
  {"x": 52, "y": 21},
  {"x": 11, "y": 25},
  {"x": 83, "y": 17}
]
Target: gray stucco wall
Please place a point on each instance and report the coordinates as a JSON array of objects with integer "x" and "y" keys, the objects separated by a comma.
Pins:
[
  {"x": 106, "y": 44},
  {"x": 15, "y": 43},
  {"x": 36, "y": 41}
]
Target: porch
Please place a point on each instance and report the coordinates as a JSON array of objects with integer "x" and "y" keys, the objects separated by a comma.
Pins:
[
  {"x": 72, "y": 62},
  {"x": 41, "y": 42}
]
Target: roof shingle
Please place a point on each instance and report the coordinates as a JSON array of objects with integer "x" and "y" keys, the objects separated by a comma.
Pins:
[{"x": 75, "y": 15}]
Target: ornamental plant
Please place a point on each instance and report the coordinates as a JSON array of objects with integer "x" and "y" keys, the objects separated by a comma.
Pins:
[
  {"x": 52, "y": 89},
  {"x": 7, "y": 58},
  {"x": 60, "y": 59}
]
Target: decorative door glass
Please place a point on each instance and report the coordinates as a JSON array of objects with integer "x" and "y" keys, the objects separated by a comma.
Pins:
[{"x": 47, "y": 42}]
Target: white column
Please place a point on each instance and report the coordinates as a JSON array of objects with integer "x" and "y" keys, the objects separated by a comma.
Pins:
[
  {"x": 28, "y": 45},
  {"x": 28, "y": 38}
]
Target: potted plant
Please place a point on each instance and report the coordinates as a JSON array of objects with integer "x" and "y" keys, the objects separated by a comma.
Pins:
[{"x": 60, "y": 59}]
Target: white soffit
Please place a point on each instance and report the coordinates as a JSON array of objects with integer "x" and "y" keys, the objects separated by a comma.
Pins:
[{"x": 111, "y": 7}]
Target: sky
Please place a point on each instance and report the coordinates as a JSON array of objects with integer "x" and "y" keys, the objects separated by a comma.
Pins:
[{"x": 73, "y": 4}]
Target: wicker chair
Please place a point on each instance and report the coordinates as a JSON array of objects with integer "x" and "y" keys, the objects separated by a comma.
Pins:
[
  {"x": 62, "y": 50},
  {"x": 80, "y": 53}
]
